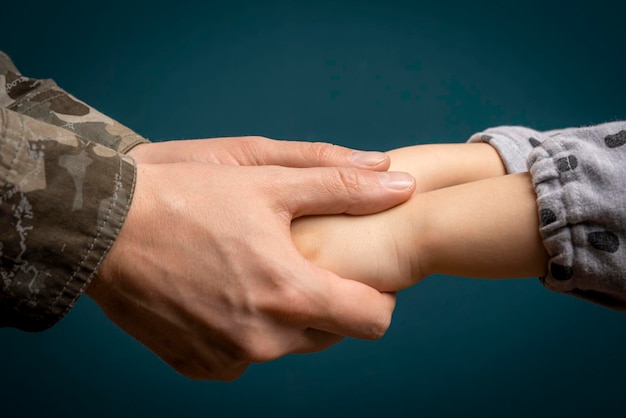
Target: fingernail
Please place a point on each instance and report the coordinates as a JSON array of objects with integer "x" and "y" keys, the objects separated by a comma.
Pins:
[
  {"x": 368, "y": 158},
  {"x": 396, "y": 180}
]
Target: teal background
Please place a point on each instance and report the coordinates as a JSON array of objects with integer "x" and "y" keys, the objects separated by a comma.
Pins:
[{"x": 370, "y": 75}]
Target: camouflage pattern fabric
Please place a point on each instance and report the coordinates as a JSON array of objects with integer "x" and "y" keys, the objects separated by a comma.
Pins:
[
  {"x": 63, "y": 200},
  {"x": 45, "y": 101}
]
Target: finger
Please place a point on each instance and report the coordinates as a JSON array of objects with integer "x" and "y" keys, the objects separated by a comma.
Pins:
[
  {"x": 349, "y": 308},
  {"x": 254, "y": 150},
  {"x": 320, "y": 191},
  {"x": 289, "y": 340},
  {"x": 314, "y": 340}
]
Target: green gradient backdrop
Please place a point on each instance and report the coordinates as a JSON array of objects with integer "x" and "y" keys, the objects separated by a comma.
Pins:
[{"x": 372, "y": 75}]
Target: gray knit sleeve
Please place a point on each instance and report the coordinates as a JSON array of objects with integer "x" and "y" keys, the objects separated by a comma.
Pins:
[{"x": 579, "y": 175}]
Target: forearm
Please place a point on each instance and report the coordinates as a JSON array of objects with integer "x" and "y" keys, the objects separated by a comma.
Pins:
[
  {"x": 485, "y": 225},
  {"x": 441, "y": 165},
  {"x": 483, "y": 229}
]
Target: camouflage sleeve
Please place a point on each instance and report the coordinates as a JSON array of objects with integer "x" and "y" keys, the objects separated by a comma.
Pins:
[
  {"x": 45, "y": 101},
  {"x": 63, "y": 200}
]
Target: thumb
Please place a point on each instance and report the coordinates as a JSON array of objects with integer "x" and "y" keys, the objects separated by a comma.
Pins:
[{"x": 333, "y": 190}]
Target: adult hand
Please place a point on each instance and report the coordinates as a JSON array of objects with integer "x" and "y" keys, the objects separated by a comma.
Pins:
[
  {"x": 205, "y": 274},
  {"x": 256, "y": 150}
]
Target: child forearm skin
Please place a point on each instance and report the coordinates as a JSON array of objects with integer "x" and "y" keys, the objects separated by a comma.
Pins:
[{"x": 483, "y": 229}]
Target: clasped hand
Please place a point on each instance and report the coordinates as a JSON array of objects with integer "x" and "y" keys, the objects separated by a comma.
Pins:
[{"x": 204, "y": 271}]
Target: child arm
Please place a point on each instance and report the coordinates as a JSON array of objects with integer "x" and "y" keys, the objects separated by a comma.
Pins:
[
  {"x": 569, "y": 191},
  {"x": 435, "y": 166},
  {"x": 481, "y": 229}
]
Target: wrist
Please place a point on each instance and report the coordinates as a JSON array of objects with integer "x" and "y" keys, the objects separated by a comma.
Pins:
[
  {"x": 421, "y": 236},
  {"x": 141, "y": 153},
  {"x": 129, "y": 239}
]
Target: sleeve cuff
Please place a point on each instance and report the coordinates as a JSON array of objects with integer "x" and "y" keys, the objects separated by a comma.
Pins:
[
  {"x": 513, "y": 143},
  {"x": 64, "y": 202},
  {"x": 578, "y": 177}
]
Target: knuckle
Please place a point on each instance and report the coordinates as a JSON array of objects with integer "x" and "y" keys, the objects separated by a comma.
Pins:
[
  {"x": 246, "y": 352},
  {"x": 246, "y": 142},
  {"x": 253, "y": 146},
  {"x": 291, "y": 299},
  {"x": 255, "y": 140},
  {"x": 350, "y": 181},
  {"x": 323, "y": 152},
  {"x": 260, "y": 354},
  {"x": 287, "y": 304},
  {"x": 258, "y": 350},
  {"x": 293, "y": 306},
  {"x": 265, "y": 341}
]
